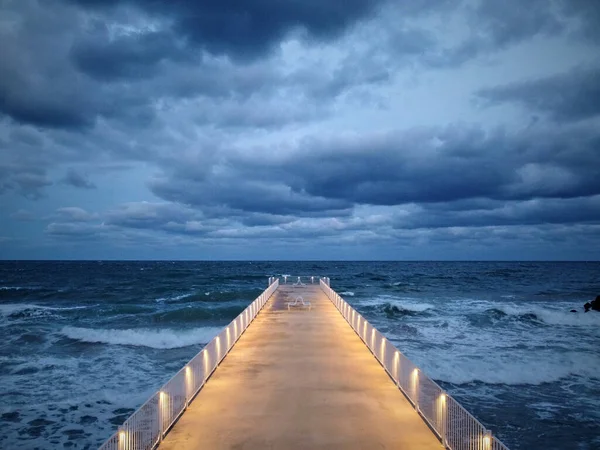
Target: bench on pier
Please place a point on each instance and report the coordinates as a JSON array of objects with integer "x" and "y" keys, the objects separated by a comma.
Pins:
[{"x": 299, "y": 301}]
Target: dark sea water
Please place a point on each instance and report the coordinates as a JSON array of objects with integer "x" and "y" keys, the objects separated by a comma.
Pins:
[{"x": 82, "y": 344}]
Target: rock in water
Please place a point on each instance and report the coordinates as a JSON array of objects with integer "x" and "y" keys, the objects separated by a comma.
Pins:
[{"x": 593, "y": 305}]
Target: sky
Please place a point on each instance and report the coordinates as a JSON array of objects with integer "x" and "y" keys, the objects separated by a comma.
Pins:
[{"x": 300, "y": 129}]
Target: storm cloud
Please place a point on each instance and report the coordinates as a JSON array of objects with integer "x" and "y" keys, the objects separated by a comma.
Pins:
[
  {"x": 377, "y": 128},
  {"x": 573, "y": 95}
]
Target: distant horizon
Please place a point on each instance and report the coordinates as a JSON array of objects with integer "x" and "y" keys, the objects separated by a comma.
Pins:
[{"x": 308, "y": 260}]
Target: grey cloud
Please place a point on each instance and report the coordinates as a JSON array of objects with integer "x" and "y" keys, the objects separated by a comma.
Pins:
[
  {"x": 167, "y": 217},
  {"x": 248, "y": 29},
  {"x": 587, "y": 12},
  {"x": 28, "y": 182},
  {"x": 134, "y": 56},
  {"x": 572, "y": 95},
  {"x": 36, "y": 85},
  {"x": 215, "y": 111},
  {"x": 527, "y": 212},
  {"x": 446, "y": 165},
  {"x": 75, "y": 214},
  {"x": 23, "y": 215},
  {"x": 75, "y": 179},
  {"x": 126, "y": 79},
  {"x": 475, "y": 172},
  {"x": 244, "y": 194},
  {"x": 509, "y": 21},
  {"x": 74, "y": 230},
  {"x": 497, "y": 25},
  {"x": 95, "y": 74}
]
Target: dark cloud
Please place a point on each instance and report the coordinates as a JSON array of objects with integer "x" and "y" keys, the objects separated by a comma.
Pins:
[
  {"x": 568, "y": 96},
  {"x": 439, "y": 178},
  {"x": 587, "y": 13},
  {"x": 246, "y": 29},
  {"x": 78, "y": 180},
  {"x": 75, "y": 214},
  {"x": 146, "y": 214},
  {"x": 134, "y": 56},
  {"x": 36, "y": 86},
  {"x": 527, "y": 212},
  {"x": 422, "y": 166},
  {"x": 23, "y": 215},
  {"x": 451, "y": 164},
  {"x": 255, "y": 120},
  {"x": 248, "y": 194},
  {"x": 493, "y": 26},
  {"x": 511, "y": 21},
  {"x": 79, "y": 231},
  {"x": 28, "y": 182}
]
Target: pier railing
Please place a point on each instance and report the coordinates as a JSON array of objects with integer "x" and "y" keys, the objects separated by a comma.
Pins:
[
  {"x": 147, "y": 426},
  {"x": 456, "y": 428}
]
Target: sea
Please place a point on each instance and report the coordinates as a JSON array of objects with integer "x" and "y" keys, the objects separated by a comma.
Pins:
[{"x": 83, "y": 344}]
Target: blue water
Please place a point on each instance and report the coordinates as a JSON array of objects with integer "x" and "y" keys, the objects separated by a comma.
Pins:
[{"x": 82, "y": 344}]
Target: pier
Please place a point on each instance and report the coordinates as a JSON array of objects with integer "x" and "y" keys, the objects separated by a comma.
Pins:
[{"x": 300, "y": 369}]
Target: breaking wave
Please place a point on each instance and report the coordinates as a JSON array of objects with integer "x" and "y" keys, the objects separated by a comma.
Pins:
[
  {"x": 161, "y": 339},
  {"x": 523, "y": 370},
  {"x": 545, "y": 316},
  {"x": 20, "y": 310},
  {"x": 175, "y": 297},
  {"x": 196, "y": 313}
]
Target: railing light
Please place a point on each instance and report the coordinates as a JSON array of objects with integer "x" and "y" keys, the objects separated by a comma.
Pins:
[{"x": 487, "y": 441}]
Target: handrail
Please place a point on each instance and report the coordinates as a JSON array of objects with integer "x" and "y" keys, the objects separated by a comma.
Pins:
[
  {"x": 454, "y": 426},
  {"x": 299, "y": 279},
  {"x": 148, "y": 425}
]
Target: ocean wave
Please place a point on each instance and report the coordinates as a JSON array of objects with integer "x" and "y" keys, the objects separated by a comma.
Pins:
[
  {"x": 196, "y": 313},
  {"x": 17, "y": 310},
  {"x": 218, "y": 296},
  {"x": 403, "y": 286},
  {"x": 175, "y": 297},
  {"x": 509, "y": 369},
  {"x": 347, "y": 293},
  {"x": 546, "y": 316},
  {"x": 140, "y": 337},
  {"x": 407, "y": 304},
  {"x": 8, "y": 292}
]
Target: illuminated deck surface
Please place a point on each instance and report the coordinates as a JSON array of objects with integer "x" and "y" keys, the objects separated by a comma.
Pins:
[{"x": 300, "y": 379}]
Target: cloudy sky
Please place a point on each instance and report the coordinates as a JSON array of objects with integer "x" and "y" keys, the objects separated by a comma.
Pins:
[{"x": 300, "y": 129}]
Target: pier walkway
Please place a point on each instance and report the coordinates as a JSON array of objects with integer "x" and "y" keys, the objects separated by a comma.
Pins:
[
  {"x": 300, "y": 368},
  {"x": 300, "y": 379}
]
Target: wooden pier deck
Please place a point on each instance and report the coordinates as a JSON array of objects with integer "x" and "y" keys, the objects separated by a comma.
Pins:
[{"x": 300, "y": 379}]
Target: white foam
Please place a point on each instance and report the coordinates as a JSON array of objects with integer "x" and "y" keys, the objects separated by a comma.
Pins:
[
  {"x": 510, "y": 369},
  {"x": 14, "y": 308},
  {"x": 347, "y": 293},
  {"x": 545, "y": 410},
  {"x": 162, "y": 339},
  {"x": 406, "y": 303},
  {"x": 554, "y": 316},
  {"x": 175, "y": 297}
]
